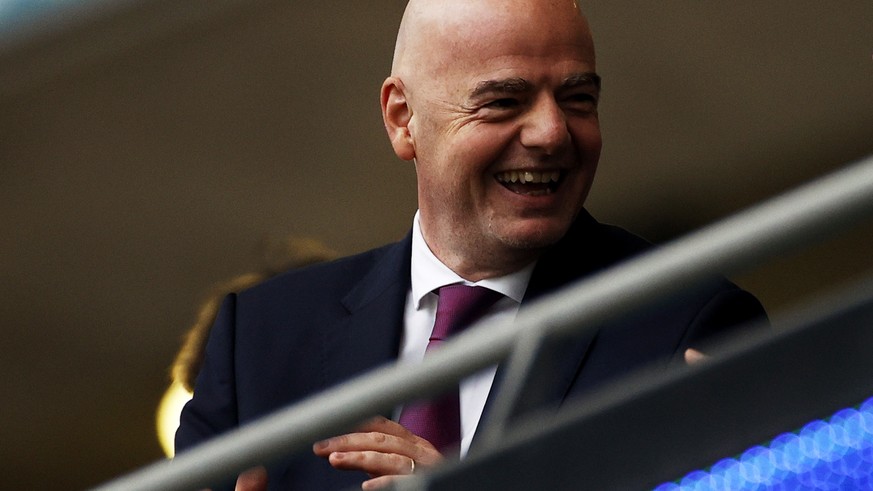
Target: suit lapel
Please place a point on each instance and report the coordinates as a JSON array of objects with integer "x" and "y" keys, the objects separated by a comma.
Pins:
[
  {"x": 559, "y": 361},
  {"x": 368, "y": 335}
]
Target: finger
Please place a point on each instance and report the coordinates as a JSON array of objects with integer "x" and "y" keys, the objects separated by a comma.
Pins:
[
  {"x": 692, "y": 356},
  {"x": 362, "y": 441},
  {"x": 382, "y": 424},
  {"x": 381, "y": 482},
  {"x": 254, "y": 479},
  {"x": 373, "y": 463},
  {"x": 419, "y": 449},
  {"x": 376, "y": 441}
]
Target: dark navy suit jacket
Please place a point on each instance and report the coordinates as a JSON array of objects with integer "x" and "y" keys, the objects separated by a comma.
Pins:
[{"x": 311, "y": 328}]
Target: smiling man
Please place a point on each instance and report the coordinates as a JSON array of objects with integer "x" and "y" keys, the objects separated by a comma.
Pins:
[{"x": 495, "y": 102}]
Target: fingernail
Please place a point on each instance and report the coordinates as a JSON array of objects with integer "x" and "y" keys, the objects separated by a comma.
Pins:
[
  {"x": 338, "y": 455},
  {"x": 321, "y": 445}
]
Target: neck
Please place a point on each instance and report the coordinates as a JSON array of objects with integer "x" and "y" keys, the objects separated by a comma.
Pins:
[{"x": 483, "y": 265}]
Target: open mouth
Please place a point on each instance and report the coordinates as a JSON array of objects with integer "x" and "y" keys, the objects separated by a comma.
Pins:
[{"x": 530, "y": 183}]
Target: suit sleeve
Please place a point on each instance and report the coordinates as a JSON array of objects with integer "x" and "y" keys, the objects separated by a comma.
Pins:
[
  {"x": 213, "y": 409},
  {"x": 730, "y": 312}
]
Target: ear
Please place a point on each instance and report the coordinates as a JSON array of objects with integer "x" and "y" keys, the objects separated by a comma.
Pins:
[{"x": 397, "y": 114}]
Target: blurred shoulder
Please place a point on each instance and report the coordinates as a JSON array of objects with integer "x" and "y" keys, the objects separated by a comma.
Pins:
[{"x": 332, "y": 278}]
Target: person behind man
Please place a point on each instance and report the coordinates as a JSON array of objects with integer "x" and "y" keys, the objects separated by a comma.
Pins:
[
  {"x": 495, "y": 102},
  {"x": 277, "y": 256}
]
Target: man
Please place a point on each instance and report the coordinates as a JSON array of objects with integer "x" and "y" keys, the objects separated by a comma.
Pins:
[{"x": 495, "y": 101}]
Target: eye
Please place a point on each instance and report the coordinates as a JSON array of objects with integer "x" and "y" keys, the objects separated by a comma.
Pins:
[
  {"x": 503, "y": 103},
  {"x": 581, "y": 101},
  {"x": 583, "y": 97}
]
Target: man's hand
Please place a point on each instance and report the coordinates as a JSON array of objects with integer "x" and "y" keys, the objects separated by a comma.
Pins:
[
  {"x": 380, "y": 447},
  {"x": 693, "y": 357},
  {"x": 254, "y": 479}
]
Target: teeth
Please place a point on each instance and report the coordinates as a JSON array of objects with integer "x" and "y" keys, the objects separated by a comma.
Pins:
[{"x": 529, "y": 177}]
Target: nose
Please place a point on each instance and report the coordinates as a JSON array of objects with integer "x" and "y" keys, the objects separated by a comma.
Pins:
[{"x": 545, "y": 127}]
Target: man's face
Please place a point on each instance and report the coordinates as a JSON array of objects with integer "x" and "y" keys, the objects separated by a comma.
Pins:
[{"x": 506, "y": 136}]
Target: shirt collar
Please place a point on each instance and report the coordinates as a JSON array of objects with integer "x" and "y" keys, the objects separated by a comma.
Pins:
[{"x": 429, "y": 273}]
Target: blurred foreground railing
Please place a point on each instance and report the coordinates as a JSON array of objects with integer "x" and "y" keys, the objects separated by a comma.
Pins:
[
  {"x": 653, "y": 427},
  {"x": 802, "y": 216}
]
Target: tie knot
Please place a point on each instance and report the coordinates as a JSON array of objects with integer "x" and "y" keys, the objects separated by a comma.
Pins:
[{"x": 459, "y": 306}]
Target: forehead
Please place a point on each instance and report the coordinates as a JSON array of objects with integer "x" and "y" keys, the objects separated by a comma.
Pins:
[
  {"x": 512, "y": 43},
  {"x": 481, "y": 69}
]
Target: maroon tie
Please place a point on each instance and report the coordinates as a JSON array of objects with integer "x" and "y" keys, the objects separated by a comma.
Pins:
[{"x": 439, "y": 420}]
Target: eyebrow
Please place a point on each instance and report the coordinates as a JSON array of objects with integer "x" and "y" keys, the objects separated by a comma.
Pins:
[
  {"x": 517, "y": 85},
  {"x": 514, "y": 85},
  {"x": 579, "y": 79}
]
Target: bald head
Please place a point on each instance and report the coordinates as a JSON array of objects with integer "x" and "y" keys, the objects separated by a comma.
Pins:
[
  {"x": 434, "y": 34},
  {"x": 484, "y": 91}
]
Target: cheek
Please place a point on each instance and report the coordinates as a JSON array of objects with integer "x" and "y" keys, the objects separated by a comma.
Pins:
[
  {"x": 487, "y": 145},
  {"x": 588, "y": 138}
]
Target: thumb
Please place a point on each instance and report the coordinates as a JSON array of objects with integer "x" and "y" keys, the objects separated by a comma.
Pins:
[
  {"x": 254, "y": 479},
  {"x": 693, "y": 357}
]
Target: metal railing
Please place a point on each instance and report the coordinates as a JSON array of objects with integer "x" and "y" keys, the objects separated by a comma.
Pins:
[
  {"x": 801, "y": 216},
  {"x": 656, "y": 425}
]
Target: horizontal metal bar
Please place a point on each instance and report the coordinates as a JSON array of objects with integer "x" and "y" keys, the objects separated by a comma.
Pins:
[{"x": 803, "y": 215}]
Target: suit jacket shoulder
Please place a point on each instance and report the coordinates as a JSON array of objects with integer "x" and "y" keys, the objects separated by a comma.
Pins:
[
  {"x": 292, "y": 336},
  {"x": 587, "y": 248},
  {"x": 656, "y": 334}
]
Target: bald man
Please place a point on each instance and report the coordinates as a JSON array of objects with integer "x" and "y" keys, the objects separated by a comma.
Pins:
[{"x": 495, "y": 102}]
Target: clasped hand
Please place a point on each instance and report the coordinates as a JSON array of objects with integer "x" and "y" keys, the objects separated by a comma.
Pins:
[{"x": 382, "y": 448}]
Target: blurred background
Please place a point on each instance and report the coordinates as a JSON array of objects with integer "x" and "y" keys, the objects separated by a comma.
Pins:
[{"x": 149, "y": 149}]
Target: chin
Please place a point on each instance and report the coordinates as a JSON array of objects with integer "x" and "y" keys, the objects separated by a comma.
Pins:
[{"x": 536, "y": 236}]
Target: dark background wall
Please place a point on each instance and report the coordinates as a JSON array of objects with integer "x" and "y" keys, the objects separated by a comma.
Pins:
[{"x": 148, "y": 148}]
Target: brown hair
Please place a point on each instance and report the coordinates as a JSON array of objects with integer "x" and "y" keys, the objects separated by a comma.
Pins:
[{"x": 279, "y": 256}]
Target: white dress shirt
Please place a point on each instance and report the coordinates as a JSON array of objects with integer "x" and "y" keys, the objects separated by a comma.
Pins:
[{"x": 429, "y": 274}]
